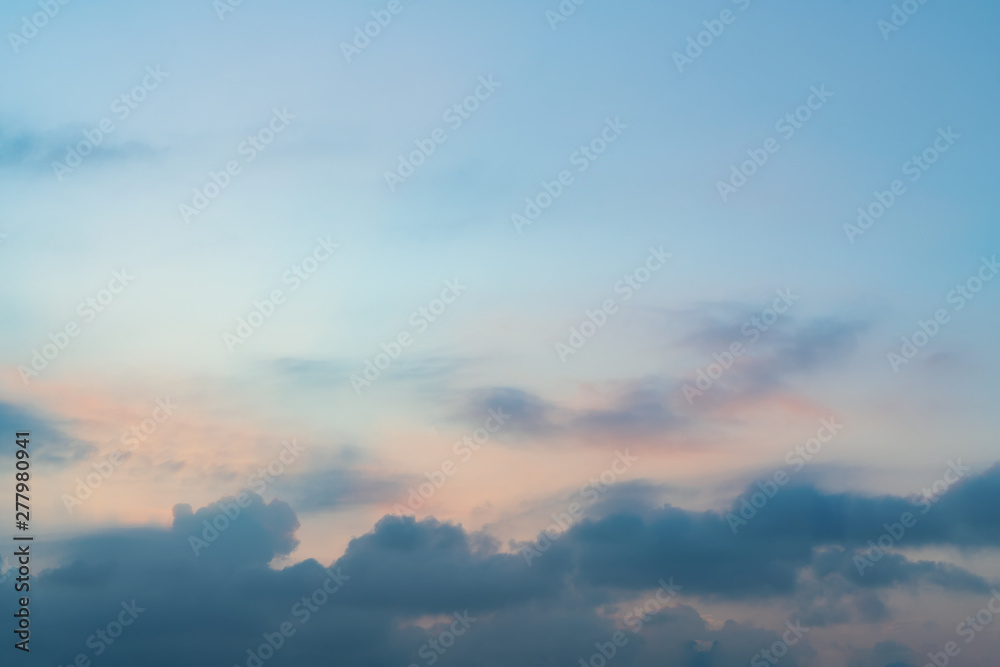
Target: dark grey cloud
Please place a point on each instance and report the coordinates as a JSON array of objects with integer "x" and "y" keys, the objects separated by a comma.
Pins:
[
  {"x": 830, "y": 599},
  {"x": 209, "y": 608},
  {"x": 800, "y": 530},
  {"x": 886, "y": 653},
  {"x": 682, "y": 637},
  {"x": 430, "y": 567},
  {"x": 894, "y": 569}
]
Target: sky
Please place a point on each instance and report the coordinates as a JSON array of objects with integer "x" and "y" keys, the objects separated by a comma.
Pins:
[{"x": 639, "y": 333}]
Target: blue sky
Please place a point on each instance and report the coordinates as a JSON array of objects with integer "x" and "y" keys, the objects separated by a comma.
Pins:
[{"x": 200, "y": 83}]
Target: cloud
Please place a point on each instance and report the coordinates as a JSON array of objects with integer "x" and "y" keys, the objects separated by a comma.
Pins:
[
  {"x": 267, "y": 531},
  {"x": 683, "y": 638},
  {"x": 430, "y": 567},
  {"x": 893, "y": 569},
  {"x": 405, "y": 579},
  {"x": 825, "y": 597},
  {"x": 210, "y": 609},
  {"x": 884, "y": 654},
  {"x": 49, "y": 442},
  {"x": 635, "y": 409},
  {"x": 642, "y": 408},
  {"x": 30, "y": 150},
  {"x": 528, "y": 414},
  {"x": 313, "y": 371},
  {"x": 656, "y": 404},
  {"x": 801, "y": 530},
  {"x": 338, "y": 487},
  {"x": 338, "y": 371},
  {"x": 772, "y": 358}
]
